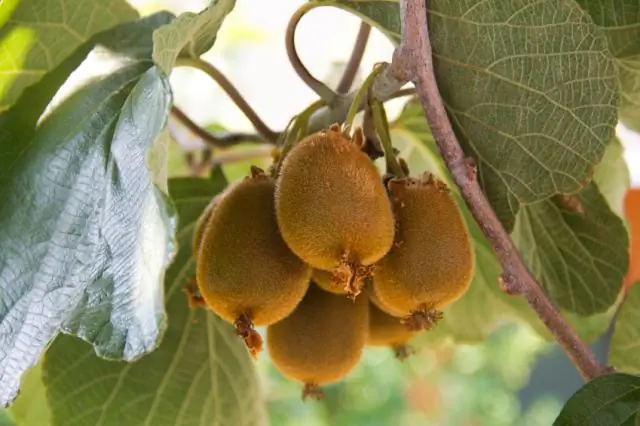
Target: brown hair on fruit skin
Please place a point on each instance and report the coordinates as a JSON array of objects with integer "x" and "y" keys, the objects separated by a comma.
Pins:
[
  {"x": 201, "y": 224},
  {"x": 387, "y": 330},
  {"x": 332, "y": 207},
  {"x": 321, "y": 341},
  {"x": 245, "y": 272},
  {"x": 432, "y": 263},
  {"x": 327, "y": 281}
]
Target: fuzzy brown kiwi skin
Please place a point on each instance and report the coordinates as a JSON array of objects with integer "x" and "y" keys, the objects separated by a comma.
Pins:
[
  {"x": 321, "y": 341},
  {"x": 387, "y": 330},
  {"x": 332, "y": 207},
  {"x": 201, "y": 224},
  {"x": 432, "y": 262},
  {"x": 327, "y": 281},
  {"x": 245, "y": 272}
]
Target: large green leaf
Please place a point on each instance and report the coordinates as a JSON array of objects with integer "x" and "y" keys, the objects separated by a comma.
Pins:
[
  {"x": 577, "y": 249},
  {"x": 612, "y": 176},
  {"x": 530, "y": 88},
  {"x": 190, "y": 34},
  {"x": 620, "y": 22},
  {"x": 613, "y": 399},
  {"x": 200, "y": 375},
  {"x": 86, "y": 236},
  {"x": 625, "y": 344},
  {"x": 31, "y": 406},
  {"x": 37, "y": 35}
]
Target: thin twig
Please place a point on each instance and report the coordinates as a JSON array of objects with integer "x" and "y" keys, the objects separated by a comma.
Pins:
[
  {"x": 321, "y": 89},
  {"x": 233, "y": 93},
  {"x": 355, "y": 59},
  {"x": 215, "y": 140},
  {"x": 413, "y": 61}
]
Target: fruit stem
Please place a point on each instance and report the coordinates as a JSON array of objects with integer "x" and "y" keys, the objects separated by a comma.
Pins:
[
  {"x": 382, "y": 127},
  {"x": 321, "y": 89},
  {"x": 412, "y": 61},
  {"x": 232, "y": 92},
  {"x": 355, "y": 59},
  {"x": 357, "y": 102}
]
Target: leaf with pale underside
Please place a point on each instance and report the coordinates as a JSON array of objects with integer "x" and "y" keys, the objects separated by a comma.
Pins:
[
  {"x": 86, "y": 235},
  {"x": 625, "y": 344},
  {"x": 190, "y": 35},
  {"x": 530, "y": 88},
  {"x": 38, "y": 35},
  {"x": 201, "y": 374}
]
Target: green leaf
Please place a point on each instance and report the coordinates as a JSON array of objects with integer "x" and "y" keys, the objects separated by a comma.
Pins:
[
  {"x": 612, "y": 399},
  {"x": 620, "y": 22},
  {"x": 86, "y": 235},
  {"x": 190, "y": 34},
  {"x": 625, "y": 344},
  {"x": 530, "y": 88},
  {"x": 576, "y": 248},
  {"x": 200, "y": 375},
  {"x": 612, "y": 176},
  {"x": 31, "y": 406},
  {"x": 38, "y": 35},
  {"x": 6, "y": 420}
]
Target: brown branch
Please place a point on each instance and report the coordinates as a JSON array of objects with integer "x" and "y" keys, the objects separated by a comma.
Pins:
[
  {"x": 321, "y": 89},
  {"x": 233, "y": 93},
  {"x": 357, "y": 53},
  {"x": 412, "y": 61},
  {"x": 215, "y": 140}
]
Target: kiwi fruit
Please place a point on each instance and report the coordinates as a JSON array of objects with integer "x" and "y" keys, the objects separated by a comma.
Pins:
[
  {"x": 332, "y": 208},
  {"x": 387, "y": 330},
  {"x": 245, "y": 272},
  {"x": 321, "y": 341},
  {"x": 201, "y": 224},
  {"x": 432, "y": 262},
  {"x": 327, "y": 281}
]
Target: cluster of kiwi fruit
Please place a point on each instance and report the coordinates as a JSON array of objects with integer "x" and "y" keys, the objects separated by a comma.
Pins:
[{"x": 330, "y": 256}]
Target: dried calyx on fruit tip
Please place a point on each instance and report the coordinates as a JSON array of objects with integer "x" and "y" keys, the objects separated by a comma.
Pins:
[
  {"x": 387, "y": 330},
  {"x": 432, "y": 262},
  {"x": 321, "y": 341},
  {"x": 245, "y": 272},
  {"x": 332, "y": 207}
]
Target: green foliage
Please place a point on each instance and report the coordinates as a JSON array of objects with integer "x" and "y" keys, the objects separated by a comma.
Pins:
[
  {"x": 625, "y": 343},
  {"x": 38, "y": 35},
  {"x": 612, "y": 399},
  {"x": 31, "y": 408},
  {"x": 619, "y": 22},
  {"x": 200, "y": 374},
  {"x": 190, "y": 34}
]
